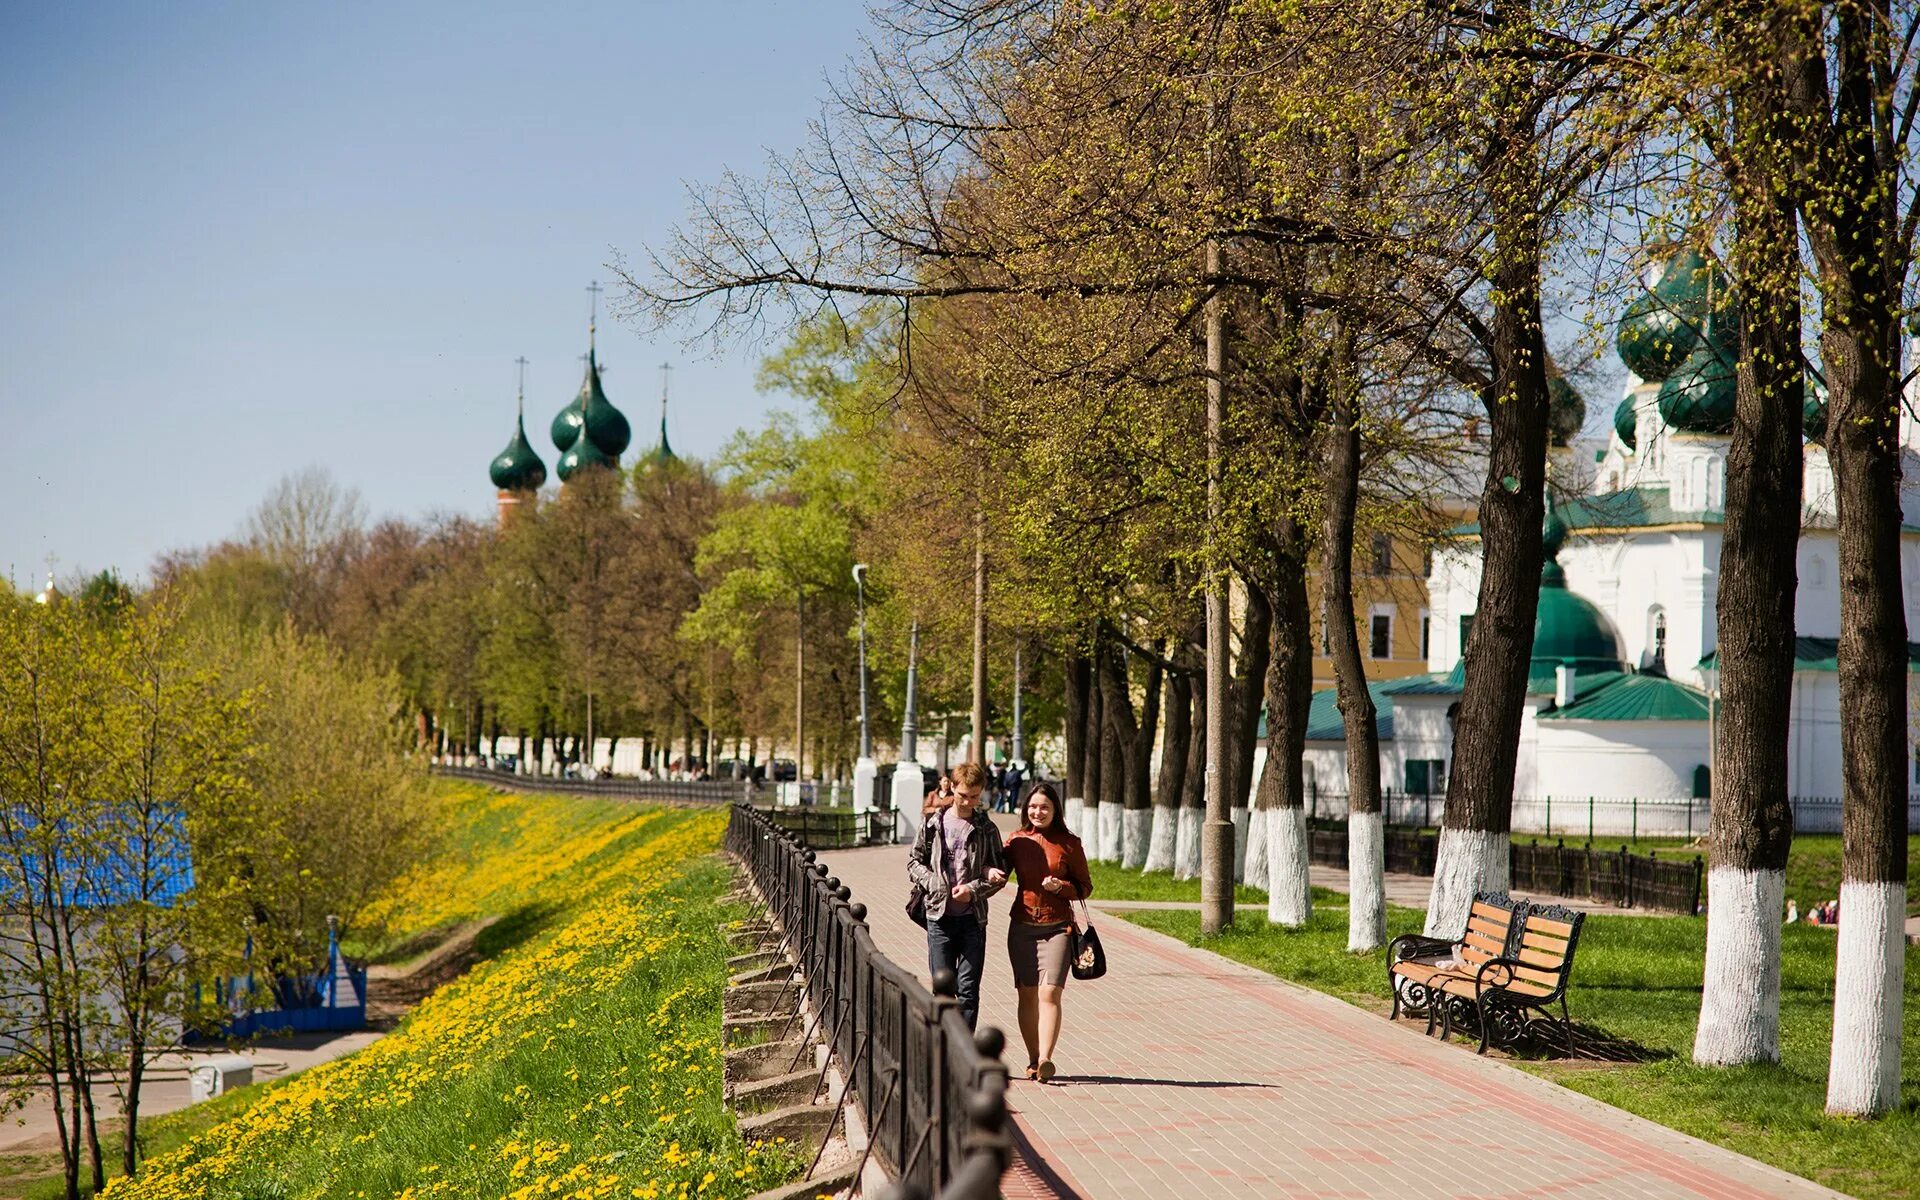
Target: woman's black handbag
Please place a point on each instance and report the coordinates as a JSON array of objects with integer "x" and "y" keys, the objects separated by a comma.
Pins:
[
  {"x": 1086, "y": 957},
  {"x": 917, "y": 906}
]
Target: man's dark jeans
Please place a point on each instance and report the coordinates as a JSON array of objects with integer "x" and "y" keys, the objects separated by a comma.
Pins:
[{"x": 958, "y": 942}]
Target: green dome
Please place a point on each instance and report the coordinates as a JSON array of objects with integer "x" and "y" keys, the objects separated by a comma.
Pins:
[
  {"x": 1699, "y": 397},
  {"x": 1662, "y": 327},
  {"x": 662, "y": 454},
  {"x": 1568, "y": 630},
  {"x": 584, "y": 454},
  {"x": 566, "y": 425},
  {"x": 1813, "y": 416},
  {"x": 1566, "y": 411},
  {"x": 1626, "y": 422},
  {"x": 606, "y": 424},
  {"x": 518, "y": 468}
]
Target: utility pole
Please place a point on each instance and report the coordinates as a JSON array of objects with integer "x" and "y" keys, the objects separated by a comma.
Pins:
[
  {"x": 865, "y": 771},
  {"x": 1019, "y": 739},
  {"x": 1216, "y": 835},
  {"x": 978, "y": 750},
  {"x": 909, "y": 786}
]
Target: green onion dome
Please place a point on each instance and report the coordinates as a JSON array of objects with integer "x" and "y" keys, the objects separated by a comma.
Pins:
[
  {"x": 1568, "y": 630},
  {"x": 1699, "y": 397},
  {"x": 662, "y": 454},
  {"x": 584, "y": 454},
  {"x": 606, "y": 425},
  {"x": 1813, "y": 416},
  {"x": 1626, "y": 421},
  {"x": 566, "y": 425},
  {"x": 1662, "y": 327},
  {"x": 591, "y": 409},
  {"x": 1566, "y": 411},
  {"x": 518, "y": 468}
]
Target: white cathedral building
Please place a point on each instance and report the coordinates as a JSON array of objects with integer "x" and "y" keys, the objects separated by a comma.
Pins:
[{"x": 1619, "y": 723}]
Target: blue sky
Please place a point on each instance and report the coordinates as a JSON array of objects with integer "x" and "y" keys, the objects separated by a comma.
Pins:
[{"x": 240, "y": 239}]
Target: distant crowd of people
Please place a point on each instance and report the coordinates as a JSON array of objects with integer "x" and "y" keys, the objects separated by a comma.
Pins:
[{"x": 1827, "y": 912}]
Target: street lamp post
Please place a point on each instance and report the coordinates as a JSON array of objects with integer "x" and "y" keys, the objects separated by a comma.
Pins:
[
  {"x": 909, "y": 787},
  {"x": 865, "y": 770}
]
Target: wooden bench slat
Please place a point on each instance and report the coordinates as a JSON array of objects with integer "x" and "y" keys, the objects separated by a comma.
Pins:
[
  {"x": 1551, "y": 961},
  {"x": 1492, "y": 912},
  {"x": 1560, "y": 929},
  {"x": 1493, "y": 946}
]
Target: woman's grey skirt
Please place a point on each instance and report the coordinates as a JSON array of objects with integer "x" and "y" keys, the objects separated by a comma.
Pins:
[{"x": 1038, "y": 953}]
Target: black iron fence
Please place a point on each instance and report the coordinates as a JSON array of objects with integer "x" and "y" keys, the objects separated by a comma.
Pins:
[
  {"x": 1607, "y": 876},
  {"x": 1592, "y": 817},
  {"x": 932, "y": 1092},
  {"x": 672, "y": 791}
]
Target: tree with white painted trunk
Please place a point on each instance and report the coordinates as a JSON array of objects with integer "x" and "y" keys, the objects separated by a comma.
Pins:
[
  {"x": 1290, "y": 692},
  {"x": 1176, "y": 741},
  {"x": 1193, "y": 801},
  {"x": 1133, "y": 737},
  {"x": 1751, "y": 826},
  {"x": 1366, "y": 844},
  {"x": 1860, "y": 217}
]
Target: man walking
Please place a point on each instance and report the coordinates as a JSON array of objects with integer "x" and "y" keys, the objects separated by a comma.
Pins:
[{"x": 958, "y": 864}]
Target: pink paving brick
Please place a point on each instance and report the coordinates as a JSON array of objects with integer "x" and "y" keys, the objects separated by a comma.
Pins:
[{"x": 1184, "y": 1074}]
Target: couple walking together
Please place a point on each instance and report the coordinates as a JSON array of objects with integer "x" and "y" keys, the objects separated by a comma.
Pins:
[{"x": 958, "y": 863}]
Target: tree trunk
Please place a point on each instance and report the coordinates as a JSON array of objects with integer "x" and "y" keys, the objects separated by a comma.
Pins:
[
  {"x": 1751, "y": 823},
  {"x": 799, "y": 689},
  {"x": 1135, "y": 737},
  {"x": 978, "y": 752},
  {"x": 1193, "y": 792},
  {"x": 1090, "y": 771},
  {"x": 1862, "y": 257},
  {"x": 1078, "y": 676},
  {"x": 1366, "y": 844},
  {"x": 1244, "y": 701},
  {"x": 1113, "y": 753},
  {"x": 1289, "y": 696},
  {"x": 1175, "y": 745},
  {"x": 1473, "y": 853}
]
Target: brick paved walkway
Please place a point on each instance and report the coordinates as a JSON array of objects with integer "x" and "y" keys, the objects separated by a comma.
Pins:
[{"x": 1184, "y": 1074}]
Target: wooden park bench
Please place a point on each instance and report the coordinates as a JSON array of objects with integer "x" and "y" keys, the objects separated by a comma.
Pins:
[
  {"x": 1413, "y": 962},
  {"x": 1498, "y": 987}
]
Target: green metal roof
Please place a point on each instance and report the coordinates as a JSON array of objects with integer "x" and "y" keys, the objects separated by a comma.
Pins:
[
  {"x": 1632, "y": 698},
  {"x": 1439, "y": 683},
  {"x": 1324, "y": 723},
  {"x": 1631, "y": 508},
  {"x": 1817, "y": 654}
]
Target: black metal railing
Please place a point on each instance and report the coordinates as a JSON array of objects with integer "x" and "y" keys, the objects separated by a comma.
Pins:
[
  {"x": 1607, "y": 876},
  {"x": 932, "y": 1092},
  {"x": 706, "y": 791}
]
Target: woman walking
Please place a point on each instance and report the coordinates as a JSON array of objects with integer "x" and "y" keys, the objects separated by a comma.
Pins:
[
  {"x": 958, "y": 863},
  {"x": 1051, "y": 868}
]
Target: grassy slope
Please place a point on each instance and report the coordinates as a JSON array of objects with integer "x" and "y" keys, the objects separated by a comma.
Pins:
[
  {"x": 585, "y": 1060},
  {"x": 1638, "y": 978}
]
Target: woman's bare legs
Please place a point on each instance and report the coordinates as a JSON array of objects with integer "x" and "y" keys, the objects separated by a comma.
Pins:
[
  {"x": 1048, "y": 999},
  {"x": 1030, "y": 1022}
]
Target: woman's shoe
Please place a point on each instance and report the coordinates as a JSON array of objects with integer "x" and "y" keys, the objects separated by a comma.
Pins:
[
  {"x": 1033, "y": 1070},
  {"x": 1045, "y": 1074}
]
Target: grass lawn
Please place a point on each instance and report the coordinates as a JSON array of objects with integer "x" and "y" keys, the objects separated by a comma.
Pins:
[
  {"x": 1638, "y": 979},
  {"x": 584, "y": 1059}
]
